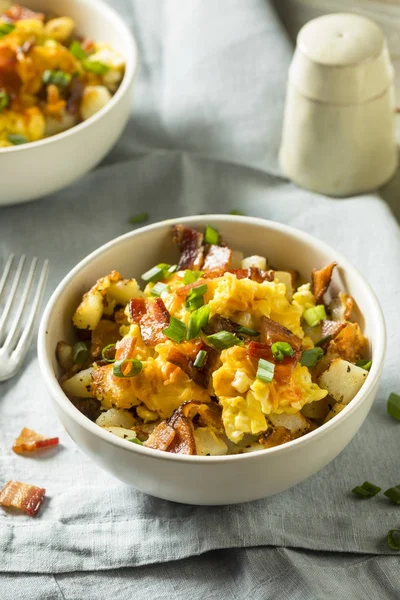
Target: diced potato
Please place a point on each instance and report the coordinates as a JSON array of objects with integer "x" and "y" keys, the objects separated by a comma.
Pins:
[
  {"x": 296, "y": 424},
  {"x": 122, "y": 432},
  {"x": 255, "y": 447},
  {"x": 318, "y": 409},
  {"x": 94, "y": 98},
  {"x": 236, "y": 260},
  {"x": 80, "y": 384},
  {"x": 64, "y": 355},
  {"x": 112, "y": 79},
  {"x": 90, "y": 311},
  {"x": 147, "y": 415},
  {"x": 59, "y": 28},
  {"x": 115, "y": 417},
  {"x": 336, "y": 409},
  {"x": 208, "y": 443},
  {"x": 55, "y": 125},
  {"x": 342, "y": 379},
  {"x": 286, "y": 278},
  {"x": 125, "y": 290},
  {"x": 107, "y": 56},
  {"x": 259, "y": 262}
]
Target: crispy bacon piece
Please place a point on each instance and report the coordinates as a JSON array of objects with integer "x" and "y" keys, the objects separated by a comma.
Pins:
[
  {"x": 218, "y": 323},
  {"x": 185, "y": 289},
  {"x": 254, "y": 274},
  {"x": 331, "y": 328},
  {"x": 283, "y": 369},
  {"x": 88, "y": 45},
  {"x": 137, "y": 308},
  {"x": 183, "y": 442},
  {"x": 125, "y": 348},
  {"x": 209, "y": 414},
  {"x": 320, "y": 281},
  {"x": 161, "y": 437},
  {"x": 23, "y": 496},
  {"x": 341, "y": 307},
  {"x": 10, "y": 81},
  {"x": 30, "y": 441},
  {"x": 218, "y": 257},
  {"x": 152, "y": 316},
  {"x": 349, "y": 343},
  {"x": 106, "y": 332},
  {"x": 272, "y": 332},
  {"x": 275, "y": 436},
  {"x": 19, "y": 13},
  {"x": 191, "y": 246},
  {"x": 184, "y": 357},
  {"x": 75, "y": 97}
]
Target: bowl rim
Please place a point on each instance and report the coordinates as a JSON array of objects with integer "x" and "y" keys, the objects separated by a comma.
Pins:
[
  {"x": 66, "y": 405},
  {"x": 131, "y": 64}
]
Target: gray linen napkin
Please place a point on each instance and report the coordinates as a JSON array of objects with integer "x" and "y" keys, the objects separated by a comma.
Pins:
[{"x": 210, "y": 95}]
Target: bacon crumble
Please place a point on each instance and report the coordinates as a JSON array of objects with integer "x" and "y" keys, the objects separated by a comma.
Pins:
[
  {"x": 191, "y": 246},
  {"x": 30, "y": 441},
  {"x": 152, "y": 316},
  {"x": 321, "y": 279},
  {"x": 22, "y": 496}
]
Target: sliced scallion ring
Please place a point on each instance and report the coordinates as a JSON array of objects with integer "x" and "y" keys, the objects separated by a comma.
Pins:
[
  {"x": 281, "y": 349},
  {"x": 211, "y": 236},
  {"x": 265, "y": 370},
  {"x": 314, "y": 315},
  {"x": 246, "y": 331},
  {"x": 366, "y": 490},
  {"x": 198, "y": 320},
  {"x": 393, "y": 538},
  {"x": 191, "y": 276},
  {"x": 135, "y": 441},
  {"x": 311, "y": 357},
  {"x": 175, "y": 331},
  {"x": 200, "y": 359},
  {"x": 80, "y": 353},
  {"x": 364, "y": 363},
  {"x": 159, "y": 288},
  {"x": 120, "y": 367},
  {"x": 393, "y": 406},
  {"x": 393, "y": 494},
  {"x": 106, "y": 350},
  {"x": 224, "y": 339},
  {"x": 93, "y": 66}
]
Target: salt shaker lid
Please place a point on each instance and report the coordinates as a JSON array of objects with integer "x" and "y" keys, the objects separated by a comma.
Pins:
[{"x": 341, "y": 58}]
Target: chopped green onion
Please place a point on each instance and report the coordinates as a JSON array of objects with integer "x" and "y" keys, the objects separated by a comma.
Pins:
[
  {"x": 170, "y": 271},
  {"x": 6, "y": 28},
  {"x": 93, "y": 66},
  {"x": 105, "y": 351},
  {"x": 194, "y": 303},
  {"x": 195, "y": 297},
  {"x": 80, "y": 353},
  {"x": 314, "y": 315},
  {"x": 135, "y": 367},
  {"x": 198, "y": 320},
  {"x": 157, "y": 273},
  {"x": 211, "y": 235},
  {"x": 281, "y": 349},
  {"x": 17, "y": 139},
  {"x": 191, "y": 276},
  {"x": 159, "y": 288},
  {"x": 309, "y": 358},
  {"x": 393, "y": 494},
  {"x": 324, "y": 340},
  {"x": 393, "y": 406},
  {"x": 200, "y": 359},
  {"x": 247, "y": 331},
  {"x": 366, "y": 490},
  {"x": 364, "y": 364},
  {"x": 237, "y": 212},
  {"x": 265, "y": 370},
  {"x": 135, "y": 441},
  {"x": 139, "y": 218},
  {"x": 224, "y": 339},
  {"x": 175, "y": 331},
  {"x": 4, "y": 99},
  {"x": 77, "y": 51},
  {"x": 394, "y": 545},
  {"x": 59, "y": 78}
]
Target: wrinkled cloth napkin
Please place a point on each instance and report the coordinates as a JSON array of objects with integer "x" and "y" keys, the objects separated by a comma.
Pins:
[{"x": 208, "y": 97}]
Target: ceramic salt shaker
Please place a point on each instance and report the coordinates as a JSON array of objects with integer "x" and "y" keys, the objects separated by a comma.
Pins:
[{"x": 339, "y": 125}]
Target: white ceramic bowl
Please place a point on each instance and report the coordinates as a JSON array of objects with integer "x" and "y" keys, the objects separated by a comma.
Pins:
[
  {"x": 196, "y": 479},
  {"x": 30, "y": 171}
]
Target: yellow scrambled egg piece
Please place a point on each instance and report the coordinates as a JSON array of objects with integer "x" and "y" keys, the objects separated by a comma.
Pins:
[{"x": 247, "y": 402}]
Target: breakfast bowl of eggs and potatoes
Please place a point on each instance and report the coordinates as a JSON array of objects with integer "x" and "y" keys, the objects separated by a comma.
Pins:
[
  {"x": 213, "y": 359},
  {"x": 66, "y": 74}
]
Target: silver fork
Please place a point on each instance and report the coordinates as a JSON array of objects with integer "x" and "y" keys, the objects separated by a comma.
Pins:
[{"x": 16, "y": 332}]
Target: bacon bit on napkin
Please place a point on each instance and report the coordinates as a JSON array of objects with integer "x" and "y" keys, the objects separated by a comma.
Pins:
[
  {"x": 23, "y": 496},
  {"x": 30, "y": 441},
  {"x": 320, "y": 281}
]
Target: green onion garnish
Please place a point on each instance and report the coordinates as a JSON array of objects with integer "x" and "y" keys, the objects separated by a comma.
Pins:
[
  {"x": 77, "y": 51},
  {"x": 195, "y": 303},
  {"x": 198, "y": 320},
  {"x": 200, "y": 359},
  {"x": 393, "y": 494},
  {"x": 106, "y": 350},
  {"x": 393, "y": 406},
  {"x": 237, "y": 212},
  {"x": 80, "y": 353},
  {"x": 281, "y": 349},
  {"x": 247, "y": 331},
  {"x": 309, "y": 358},
  {"x": 93, "y": 66},
  {"x": 6, "y": 28},
  {"x": 135, "y": 441},
  {"x": 314, "y": 315},
  {"x": 159, "y": 288},
  {"x": 366, "y": 490},
  {"x": 157, "y": 273},
  {"x": 394, "y": 545},
  {"x": 224, "y": 339},
  {"x": 175, "y": 331},
  {"x": 4, "y": 99},
  {"x": 140, "y": 218},
  {"x": 135, "y": 367},
  {"x": 17, "y": 139},
  {"x": 324, "y": 340},
  {"x": 265, "y": 370},
  {"x": 59, "y": 78},
  {"x": 191, "y": 276},
  {"x": 195, "y": 297},
  {"x": 211, "y": 236},
  {"x": 364, "y": 364}
]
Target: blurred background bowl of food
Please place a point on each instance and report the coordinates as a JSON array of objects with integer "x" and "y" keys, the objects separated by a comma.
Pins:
[{"x": 66, "y": 73}]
